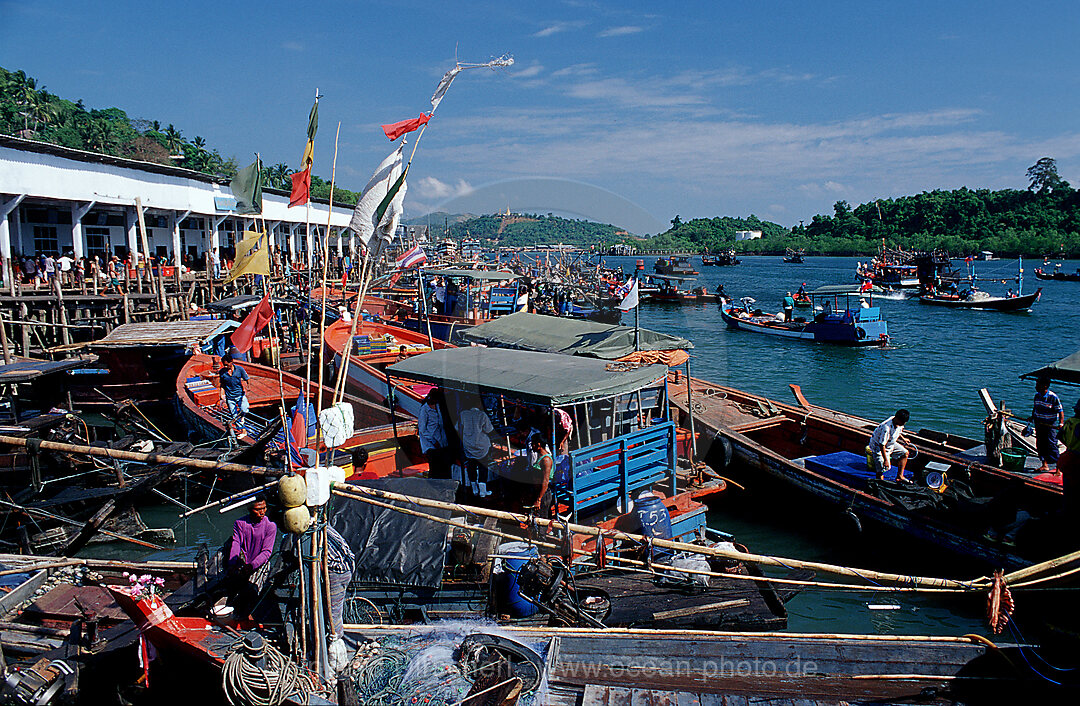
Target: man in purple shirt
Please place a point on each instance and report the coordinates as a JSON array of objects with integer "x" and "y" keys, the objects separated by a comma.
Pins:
[{"x": 248, "y": 560}]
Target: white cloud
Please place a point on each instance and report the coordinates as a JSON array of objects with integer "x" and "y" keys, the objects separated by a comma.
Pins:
[
  {"x": 292, "y": 46},
  {"x": 620, "y": 31},
  {"x": 585, "y": 69},
  {"x": 558, "y": 27},
  {"x": 430, "y": 188},
  {"x": 529, "y": 72}
]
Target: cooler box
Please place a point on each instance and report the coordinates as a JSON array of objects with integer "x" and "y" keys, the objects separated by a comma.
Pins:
[{"x": 206, "y": 397}]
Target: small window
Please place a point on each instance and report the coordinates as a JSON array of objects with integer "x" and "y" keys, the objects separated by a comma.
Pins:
[
  {"x": 98, "y": 242},
  {"x": 45, "y": 239}
]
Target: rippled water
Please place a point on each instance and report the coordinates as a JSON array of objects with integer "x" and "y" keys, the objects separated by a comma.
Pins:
[{"x": 937, "y": 363}]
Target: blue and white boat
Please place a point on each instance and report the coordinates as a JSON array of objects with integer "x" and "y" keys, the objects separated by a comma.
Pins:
[{"x": 841, "y": 315}]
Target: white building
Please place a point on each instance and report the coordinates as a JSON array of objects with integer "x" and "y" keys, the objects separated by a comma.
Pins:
[
  {"x": 55, "y": 199},
  {"x": 747, "y": 234}
]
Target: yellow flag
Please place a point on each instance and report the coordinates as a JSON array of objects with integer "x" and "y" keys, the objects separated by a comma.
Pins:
[
  {"x": 309, "y": 155},
  {"x": 252, "y": 256}
]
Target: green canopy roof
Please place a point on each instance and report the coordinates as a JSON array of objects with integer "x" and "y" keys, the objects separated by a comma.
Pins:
[
  {"x": 1065, "y": 370},
  {"x": 852, "y": 289},
  {"x": 474, "y": 274},
  {"x": 544, "y": 378},
  {"x": 552, "y": 334}
]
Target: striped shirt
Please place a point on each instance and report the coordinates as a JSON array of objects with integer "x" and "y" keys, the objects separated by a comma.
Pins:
[
  {"x": 339, "y": 557},
  {"x": 1047, "y": 409}
]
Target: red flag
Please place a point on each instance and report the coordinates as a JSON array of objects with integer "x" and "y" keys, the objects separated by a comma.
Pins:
[
  {"x": 254, "y": 322},
  {"x": 301, "y": 188},
  {"x": 866, "y": 286},
  {"x": 395, "y": 130}
]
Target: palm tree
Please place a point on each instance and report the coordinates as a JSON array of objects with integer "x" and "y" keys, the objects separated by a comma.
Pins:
[{"x": 173, "y": 139}]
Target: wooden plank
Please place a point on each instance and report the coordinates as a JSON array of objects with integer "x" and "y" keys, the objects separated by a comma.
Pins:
[
  {"x": 22, "y": 592},
  {"x": 652, "y": 697},
  {"x": 683, "y": 612},
  {"x": 685, "y": 698},
  {"x": 602, "y": 695}
]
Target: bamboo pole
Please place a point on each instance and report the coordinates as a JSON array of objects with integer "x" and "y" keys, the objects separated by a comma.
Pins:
[
  {"x": 153, "y": 459},
  {"x": 865, "y": 574},
  {"x": 254, "y": 491},
  {"x": 94, "y": 563},
  {"x": 326, "y": 265}
]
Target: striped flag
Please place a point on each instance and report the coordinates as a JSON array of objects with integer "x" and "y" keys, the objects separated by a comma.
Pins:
[{"x": 414, "y": 257}]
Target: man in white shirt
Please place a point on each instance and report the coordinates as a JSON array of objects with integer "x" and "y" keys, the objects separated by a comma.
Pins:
[
  {"x": 50, "y": 269},
  {"x": 65, "y": 264},
  {"x": 433, "y": 441},
  {"x": 474, "y": 427},
  {"x": 886, "y": 448},
  {"x": 440, "y": 296}
]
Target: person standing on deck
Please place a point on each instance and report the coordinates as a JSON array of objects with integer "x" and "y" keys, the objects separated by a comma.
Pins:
[
  {"x": 215, "y": 262},
  {"x": 232, "y": 384},
  {"x": 440, "y": 296},
  {"x": 789, "y": 307},
  {"x": 475, "y": 428},
  {"x": 885, "y": 446},
  {"x": 1048, "y": 416},
  {"x": 432, "y": 431},
  {"x": 248, "y": 559}
]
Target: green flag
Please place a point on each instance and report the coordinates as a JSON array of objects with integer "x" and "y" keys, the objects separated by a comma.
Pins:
[
  {"x": 247, "y": 188},
  {"x": 313, "y": 121}
]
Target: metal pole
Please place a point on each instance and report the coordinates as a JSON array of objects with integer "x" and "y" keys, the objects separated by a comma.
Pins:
[{"x": 423, "y": 306}]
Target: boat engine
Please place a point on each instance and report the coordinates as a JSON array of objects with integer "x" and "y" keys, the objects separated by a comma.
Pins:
[
  {"x": 544, "y": 581},
  {"x": 39, "y": 683}
]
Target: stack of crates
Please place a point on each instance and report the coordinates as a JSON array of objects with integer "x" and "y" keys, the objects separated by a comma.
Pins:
[
  {"x": 202, "y": 391},
  {"x": 361, "y": 345},
  {"x": 380, "y": 345}
]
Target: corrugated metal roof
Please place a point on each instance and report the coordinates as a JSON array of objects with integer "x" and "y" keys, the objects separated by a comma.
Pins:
[
  {"x": 163, "y": 333},
  {"x": 28, "y": 370}
]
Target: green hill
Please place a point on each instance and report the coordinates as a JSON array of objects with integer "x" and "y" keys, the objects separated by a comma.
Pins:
[
  {"x": 28, "y": 110},
  {"x": 524, "y": 230}
]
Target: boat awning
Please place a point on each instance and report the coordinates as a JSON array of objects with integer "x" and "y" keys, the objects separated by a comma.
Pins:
[
  {"x": 21, "y": 371},
  {"x": 553, "y": 334},
  {"x": 841, "y": 289},
  {"x": 545, "y": 378},
  {"x": 164, "y": 333},
  {"x": 474, "y": 274},
  {"x": 1066, "y": 370},
  {"x": 246, "y": 301}
]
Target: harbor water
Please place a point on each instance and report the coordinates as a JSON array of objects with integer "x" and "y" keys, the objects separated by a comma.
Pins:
[{"x": 937, "y": 361}]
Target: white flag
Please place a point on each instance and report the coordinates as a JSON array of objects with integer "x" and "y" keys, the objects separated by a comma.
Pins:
[
  {"x": 363, "y": 217},
  {"x": 393, "y": 214},
  {"x": 631, "y": 298},
  {"x": 444, "y": 84}
]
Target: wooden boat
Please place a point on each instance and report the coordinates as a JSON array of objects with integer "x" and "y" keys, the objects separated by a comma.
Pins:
[
  {"x": 796, "y": 257},
  {"x": 374, "y": 305},
  {"x": 621, "y": 667},
  {"x": 375, "y": 347},
  {"x": 674, "y": 265},
  {"x": 803, "y": 300},
  {"x": 724, "y": 258},
  {"x": 823, "y": 454},
  {"x": 392, "y": 445},
  {"x": 851, "y": 326},
  {"x": 1057, "y": 275},
  {"x": 982, "y": 300},
  {"x": 667, "y": 291}
]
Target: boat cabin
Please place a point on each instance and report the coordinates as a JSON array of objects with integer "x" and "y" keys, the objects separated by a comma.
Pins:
[{"x": 620, "y": 441}]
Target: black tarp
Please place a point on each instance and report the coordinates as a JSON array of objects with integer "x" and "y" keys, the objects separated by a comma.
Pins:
[{"x": 393, "y": 548}]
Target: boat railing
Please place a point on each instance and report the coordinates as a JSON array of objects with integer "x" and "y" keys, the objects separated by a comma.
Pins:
[
  {"x": 614, "y": 470},
  {"x": 870, "y": 314}
]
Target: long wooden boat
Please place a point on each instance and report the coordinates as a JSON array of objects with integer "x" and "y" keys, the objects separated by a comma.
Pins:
[
  {"x": 852, "y": 327},
  {"x": 620, "y": 667},
  {"x": 985, "y": 302},
  {"x": 674, "y": 265},
  {"x": 1057, "y": 275},
  {"x": 374, "y": 305},
  {"x": 823, "y": 454},
  {"x": 381, "y": 346},
  {"x": 392, "y": 445}
]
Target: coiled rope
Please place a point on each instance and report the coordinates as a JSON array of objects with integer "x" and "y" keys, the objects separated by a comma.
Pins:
[{"x": 247, "y": 684}]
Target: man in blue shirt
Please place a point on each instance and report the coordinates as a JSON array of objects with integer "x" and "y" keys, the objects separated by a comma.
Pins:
[
  {"x": 1048, "y": 416},
  {"x": 232, "y": 384}
]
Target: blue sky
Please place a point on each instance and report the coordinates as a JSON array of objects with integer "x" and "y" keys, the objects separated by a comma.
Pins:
[{"x": 629, "y": 111}]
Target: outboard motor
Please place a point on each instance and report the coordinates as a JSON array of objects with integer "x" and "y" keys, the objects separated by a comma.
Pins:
[
  {"x": 545, "y": 582},
  {"x": 38, "y": 684}
]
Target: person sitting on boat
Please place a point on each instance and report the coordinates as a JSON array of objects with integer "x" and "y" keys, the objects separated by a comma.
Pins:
[
  {"x": 801, "y": 294},
  {"x": 232, "y": 384},
  {"x": 863, "y": 304},
  {"x": 885, "y": 446},
  {"x": 789, "y": 307},
  {"x": 1048, "y": 416},
  {"x": 248, "y": 558}
]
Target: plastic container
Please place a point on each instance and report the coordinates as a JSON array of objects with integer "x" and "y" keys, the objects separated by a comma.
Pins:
[
  {"x": 318, "y": 486},
  {"x": 654, "y": 518},
  {"x": 1013, "y": 459},
  {"x": 516, "y": 606}
]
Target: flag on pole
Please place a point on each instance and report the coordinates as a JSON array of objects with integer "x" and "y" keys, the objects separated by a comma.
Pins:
[
  {"x": 629, "y": 293},
  {"x": 395, "y": 130},
  {"x": 252, "y": 257},
  {"x": 301, "y": 188},
  {"x": 391, "y": 208},
  {"x": 367, "y": 215},
  {"x": 312, "y": 128},
  {"x": 414, "y": 257},
  {"x": 247, "y": 188},
  {"x": 252, "y": 324},
  {"x": 444, "y": 84}
]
